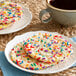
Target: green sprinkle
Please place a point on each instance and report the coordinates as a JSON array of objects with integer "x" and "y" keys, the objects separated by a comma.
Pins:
[
  {"x": 35, "y": 68},
  {"x": 14, "y": 61},
  {"x": 34, "y": 64},
  {"x": 38, "y": 40},
  {"x": 16, "y": 46},
  {"x": 45, "y": 42},
  {"x": 31, "y": 64},
  {"x": 16, "y": 56},
  {"x": 36, "y": 51},
  {"x": 13, "y": 7},
  {"x": 25, "y": 43},
  {"x": 41, "y": 40},
  {"x": 27, "y": 58},
  {"x": 18, "y": 51},
  {"x": 43, "y": 56},
  {"x": 50, "y": 48},
  {"x": 62, "y": 50},
  {"x": 31, "y": 39},
  {"x": 7, "y": 9},
  {"x": 62, "y": 46},
  {"x": 20, "y": 48},
  {"x": 1, "y": 18},
  {"x": 52, "y": 65}
]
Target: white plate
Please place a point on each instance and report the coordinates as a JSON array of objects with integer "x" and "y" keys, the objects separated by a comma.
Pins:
[
  {"x": 18, "y": 25},
  {"x": 57, "y": 68}
]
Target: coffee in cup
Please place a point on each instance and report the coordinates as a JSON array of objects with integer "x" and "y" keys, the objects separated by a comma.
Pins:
[
  {"x": 61, "y": 11},
  {"x": 64, "y": 4}
]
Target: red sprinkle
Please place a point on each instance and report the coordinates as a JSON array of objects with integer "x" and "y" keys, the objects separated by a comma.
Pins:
[
  {"x": 41, "y": 49},
  {"x": 56, "y": 36},
  {"x": 12, "y": 49},
  {"x": 15, "y": 51},
  {"x": 40, "y": 65},
  {"x": 31, "y": 46},
  {"x": 60, "y": 36},
  {"x": 37, "y": 63},
  {"x": 17, "y": 62},
  {"x": 32, "y": 68},
  {"x": 38, "y": 58},
  {"x": 26, "y": 45},
  {"x": 54, "y": 55},
  {"x": 38, "y": 50}
]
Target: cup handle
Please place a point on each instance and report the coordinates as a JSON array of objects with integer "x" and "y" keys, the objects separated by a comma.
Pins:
[{"x": 44, "y": 12}]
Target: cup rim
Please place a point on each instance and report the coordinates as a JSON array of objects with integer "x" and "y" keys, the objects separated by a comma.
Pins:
[{"x": 58, "y": 9}]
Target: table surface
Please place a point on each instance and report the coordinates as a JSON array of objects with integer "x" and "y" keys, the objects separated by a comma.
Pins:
[{"x": 35, "y": 7}]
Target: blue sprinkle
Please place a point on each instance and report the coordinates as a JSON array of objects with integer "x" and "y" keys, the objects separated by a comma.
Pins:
[
  {"x": 49, "y": 44},
  {"x": 67, "y": 43},
  {"x": 48, "y": 38},
  {"x": 63, "y": 42},
  {"x": 37, "y": 68},
  {"x": 60, "y": 47},
  {"x": 28, "y": 40},
  {"x": 29, "y": 43},
  {"x": 9, "y": 12},
  {"x": 50, "y": 35},
  {"x": 51, "y": 56},
  {"x": 34, "y": 44},
  {"x": 13, "y": 15},
  {"x": 21, "y": 62},
  {"x": 44, "y": 45},
  {"x": 38, "y": 37},
  {"x": 26, "y": 68},
  {"x": 39, "y": 54},
  {"x": 1, "y": 15},
  {"x": 16, "y": 62}
]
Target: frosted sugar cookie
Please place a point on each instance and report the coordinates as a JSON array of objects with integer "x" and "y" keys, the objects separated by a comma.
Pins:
[
  {"x": 49, "y": 48},
  {"x": 9, "y": 13},
  {"x": 23, "y": 60}
]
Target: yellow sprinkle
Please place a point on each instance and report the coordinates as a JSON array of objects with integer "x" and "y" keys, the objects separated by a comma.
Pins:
[
  {"x": 58, "y": 55},
  {"x": 0, "y": 27},
  {"x": 18, "y": 7},
  {"x": 56, "y": 46},
  {"x": 5, "y": 25},
  {"x": 56, "y": 60},
  {"x": 27, "y": 65},
  {"x": 46, "y": 45},
  {"x": 68, "y": 54},
  {"x": 35, "y": 36},
  {"x": 36, "y": 53},
  {"x": 58, "y": 41},
  {"x": 39, "y": 33},
  {"x": 2, "y": 3},
  {"x": 65, "y": 43},
  {"x": 21, "y": 13},
  {"x": 40, "y": 67},
  {"x": 4, "y": 12},
  {"x": 48, "y": 49},
  {"x": 36, "y": 41}
]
